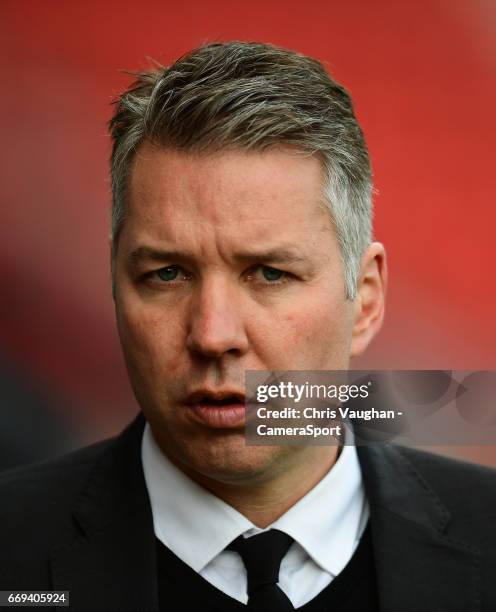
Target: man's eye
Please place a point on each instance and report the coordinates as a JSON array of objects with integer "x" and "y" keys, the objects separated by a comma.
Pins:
[
  {"x": 272, "y": 275},
  {"x": 170, "y": 273}
]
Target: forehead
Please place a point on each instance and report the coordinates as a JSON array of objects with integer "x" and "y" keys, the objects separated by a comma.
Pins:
[{"x": 257, "y": 193}]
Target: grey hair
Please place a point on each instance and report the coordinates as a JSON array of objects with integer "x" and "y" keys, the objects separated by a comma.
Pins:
[{"x": 240, "y": 95}]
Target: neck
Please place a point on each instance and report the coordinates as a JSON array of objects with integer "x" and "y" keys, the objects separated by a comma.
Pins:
[{"x": 264, "y": 498}]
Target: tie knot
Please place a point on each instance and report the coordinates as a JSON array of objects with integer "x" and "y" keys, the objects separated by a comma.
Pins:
[{"x": 262, "y": 555}]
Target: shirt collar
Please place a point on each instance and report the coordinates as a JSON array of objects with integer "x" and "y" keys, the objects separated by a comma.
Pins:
[
  {"x": 197, "y": 526},
  {"x": 330, "y": 518}
]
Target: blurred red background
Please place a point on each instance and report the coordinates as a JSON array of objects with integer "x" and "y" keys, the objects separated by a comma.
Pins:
[{"x": 422, "y": 75}]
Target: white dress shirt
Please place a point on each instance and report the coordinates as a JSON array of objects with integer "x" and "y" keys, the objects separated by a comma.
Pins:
[{"x": 326, "y": 525}]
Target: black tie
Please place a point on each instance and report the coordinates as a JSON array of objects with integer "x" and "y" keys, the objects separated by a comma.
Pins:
[{"x": 262, "y": 555}]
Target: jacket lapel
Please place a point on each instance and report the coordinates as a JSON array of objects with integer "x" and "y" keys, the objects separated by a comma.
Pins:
[
  {"x": 419, "y": 567},
  {"x": 110, "y": 564}
]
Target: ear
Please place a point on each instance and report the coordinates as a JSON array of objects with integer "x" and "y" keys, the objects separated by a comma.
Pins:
[{"x": 370, "y": 298}]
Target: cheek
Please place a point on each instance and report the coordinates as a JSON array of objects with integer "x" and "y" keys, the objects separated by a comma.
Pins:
[
  {"x": 151, "y": 341},
  {"x": 315, "y": 337}
]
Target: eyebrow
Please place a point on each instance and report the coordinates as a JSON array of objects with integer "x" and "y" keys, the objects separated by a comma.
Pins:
[
  {"x": 144, "y": 253},
  {"x": 277, "y": 255}
]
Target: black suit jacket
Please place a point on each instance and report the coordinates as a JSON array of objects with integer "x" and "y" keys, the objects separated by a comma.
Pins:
[{"x": 83, "y": 523}]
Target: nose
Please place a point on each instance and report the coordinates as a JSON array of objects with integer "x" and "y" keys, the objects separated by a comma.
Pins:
[{"x": 216, "y": 324}]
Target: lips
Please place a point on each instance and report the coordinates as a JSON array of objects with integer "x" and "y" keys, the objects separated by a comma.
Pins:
[{"x": 218, "y": 409}]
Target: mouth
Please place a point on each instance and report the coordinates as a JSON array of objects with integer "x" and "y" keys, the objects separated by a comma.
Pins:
[{"x": 218, "y": 409}]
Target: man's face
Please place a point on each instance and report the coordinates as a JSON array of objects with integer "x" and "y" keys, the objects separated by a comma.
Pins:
[{"x": 225, "y": 263}]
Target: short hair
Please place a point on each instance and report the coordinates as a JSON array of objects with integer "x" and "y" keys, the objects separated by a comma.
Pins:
[{"x": 245, "y": 95}]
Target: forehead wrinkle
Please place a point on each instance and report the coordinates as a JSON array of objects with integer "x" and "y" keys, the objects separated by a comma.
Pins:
[
  {"x": 256, "y": 240},
  {"x": 205, "y": 213},
  {"x": 286, "y": 255}
]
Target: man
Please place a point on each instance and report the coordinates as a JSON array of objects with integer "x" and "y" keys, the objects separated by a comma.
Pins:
[{"x": 241, "y": 240}]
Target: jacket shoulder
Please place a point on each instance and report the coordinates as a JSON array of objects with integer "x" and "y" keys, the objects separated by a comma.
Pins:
[
  {"x": 46, "y": 507},
  {"x": 467, "y": 489},
  {"x": 36, "y": 514},
  {"x": 45, "y": 476},
  {"x": 39, "y": 496}
]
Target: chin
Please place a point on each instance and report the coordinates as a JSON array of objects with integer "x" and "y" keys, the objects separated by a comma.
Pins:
[
  {"x": 231, "y": 461},
  {"x": 221, "y": 455}
]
